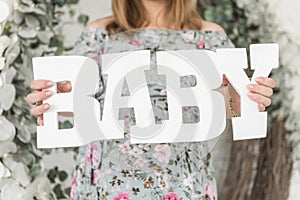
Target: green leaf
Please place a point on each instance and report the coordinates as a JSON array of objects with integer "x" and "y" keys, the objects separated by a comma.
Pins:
[
  {"x": 65, "y": 125},
  {"x": 62, "y": 175},
  {"x": 59, "y": 3},
  {"x": 59, "y": 193},
  {"x": 72, "y": 1},
  {"x": 83, "y": 19},
  {"x": 52, "y": 175},
  {"x": 55, "y": 42},
  {"x": 68, "y": 190},
  {"x": 47, "y": 151},
  {"x": 34, "y": 170}
]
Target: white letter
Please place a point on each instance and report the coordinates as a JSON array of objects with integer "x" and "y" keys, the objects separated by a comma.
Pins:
[
  {"x": 175, "y": 64},
  {"x": 264, "y": 57},
  {"x": 83, "y": 74}
]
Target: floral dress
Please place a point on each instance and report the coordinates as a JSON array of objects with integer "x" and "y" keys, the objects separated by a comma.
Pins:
[{"x": 119, "y": 170}]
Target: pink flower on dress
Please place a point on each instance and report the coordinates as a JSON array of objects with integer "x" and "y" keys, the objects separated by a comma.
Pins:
[
  {"x": 163, "y": 153},
  {"x": 89, "y": 158},
  {"x": 189, "y": 181},
  {"x": 135, "y": 42},
  {"x": 171, "y": 196},
  {"x": 95, "y": 147},
  {"x": 87, "y": 147},
  {"x": 125, "y": 148},
  {"x": 201, "y": 44},
  {"x": 73, "y": 187},
  {"x": 163, "y": 92},
  {"x": 123, "y": 196},
  {"x": 88, "y": 153},
  {"x": 101, "y": 50},
  {"x": 145, "y": 146},
  {"x": 74, "y": 181},
  {"x": 188, "y": 36},
  {"x": 210, "y": 191},
  {"x": 74, "y": 184},
  {"x": 96, "y": 59},
  {"x": 136, "y": 152},
  {"x": 139, "y": 163},
  {"x": 95, "y": 154},
  {"x": 96, "y": 176},
  {"x": 92, "y": 155}
]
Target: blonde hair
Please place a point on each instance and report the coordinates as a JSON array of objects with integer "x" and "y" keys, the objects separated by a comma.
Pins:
[{"x": 131, "y": 14}]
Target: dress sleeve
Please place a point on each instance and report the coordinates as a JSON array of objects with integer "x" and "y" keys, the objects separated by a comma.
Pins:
[
  {"x": 90, "y": 40},
  {"x": 91, "y": 44},
  {"x": 223, "y": 41},
  {"x": 216, "y": 39}
]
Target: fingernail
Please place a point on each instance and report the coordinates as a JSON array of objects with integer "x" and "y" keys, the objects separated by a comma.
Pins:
[
  {"x": 250, "y": 94},
  {"x": 48, "y": 93},
  {"x": 250, "y": 86},
  {"x": 46, "y": 106},
  {"x": 50, "y": 83},
  {"x": 67, "y": 85},
  {"x": 259, "y": 80}
]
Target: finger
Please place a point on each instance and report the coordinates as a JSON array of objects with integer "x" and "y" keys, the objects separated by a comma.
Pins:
[
  {"x": 38, "y": 110},
  {"x": 36, "y": 97},
  {"x": 41, "y": 84},
  {"x": 268, "y": 82},
  {"x": 258, "y": 98},
  {"x": 40, "y": 120},
  {"x": 260, "y": 89},
  {"x": 261, "y": 107},
  {"x": 64, "y": 87}
]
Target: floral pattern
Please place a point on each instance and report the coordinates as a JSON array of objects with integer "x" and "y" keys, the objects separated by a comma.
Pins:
[{"x": 117, "y": 169}]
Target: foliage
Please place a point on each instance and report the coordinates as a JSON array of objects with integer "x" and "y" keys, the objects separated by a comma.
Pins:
[{"x": 33, "y": 29}]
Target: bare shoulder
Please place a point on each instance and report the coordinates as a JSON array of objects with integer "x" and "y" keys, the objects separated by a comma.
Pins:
[
  {"x": 209, "y": 26},
  {"x": 102, "y": 22}
]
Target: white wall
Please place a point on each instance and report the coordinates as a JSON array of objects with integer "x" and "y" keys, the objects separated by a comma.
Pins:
[
  {"x": 94, "y": 9},
  {"x": 287, "y": 16}
]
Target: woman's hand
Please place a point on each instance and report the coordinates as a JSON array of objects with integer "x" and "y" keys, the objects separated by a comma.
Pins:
[
  {"x": 41, "y": 94},
  {"x": 261, "y": 92}
]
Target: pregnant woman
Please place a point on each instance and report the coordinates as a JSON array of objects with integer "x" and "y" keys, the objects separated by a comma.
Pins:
[{"x": 116, "y": 169}]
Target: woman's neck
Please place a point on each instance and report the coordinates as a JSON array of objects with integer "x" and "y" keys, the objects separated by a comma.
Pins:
[{"x": 155, "y": 10}]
